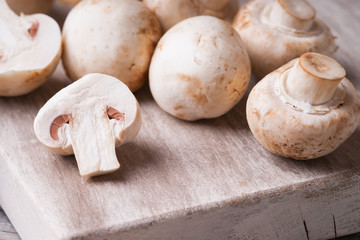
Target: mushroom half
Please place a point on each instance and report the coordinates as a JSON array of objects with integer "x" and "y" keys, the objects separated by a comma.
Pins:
[
  {"x": 305, "y": 109},
  {"x": 277, "y": 31},
  {"x": 30, "y": 48},
  {"x": 89, "y": 118}
]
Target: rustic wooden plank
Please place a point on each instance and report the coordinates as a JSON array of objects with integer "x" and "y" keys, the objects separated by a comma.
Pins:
[
  {"x": 7, "y": 231},
  {"x": 204, "y": 180}
]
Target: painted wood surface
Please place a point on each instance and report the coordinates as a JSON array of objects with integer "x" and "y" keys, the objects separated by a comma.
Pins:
[{"x": 208, "y": 179}]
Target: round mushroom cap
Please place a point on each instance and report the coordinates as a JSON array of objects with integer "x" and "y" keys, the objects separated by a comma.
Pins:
[
  {"x": 170, "y": 12},
  {"x": 30, "y": 6},
  {"x": 297, "y": 131},
  {"x": 30, "y": 48},
  {"x": 269, "y": 45},
  {"x": 200, "y": 69},
  {"x": 114, "y": 37}
]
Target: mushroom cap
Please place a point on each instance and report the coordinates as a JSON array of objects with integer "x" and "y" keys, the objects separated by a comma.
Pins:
[
  {"x": 285, "y": 130},
  {"x": 30, "y": 48},
  {"x": 92, "y": 90},
  {"x": 200, "y": 69},
  {"x": 114, "y": 37},
  {"x": 30, "y": 6},
  {"x": 170, "y": 12},
  {"x": 270, "y": 47}
]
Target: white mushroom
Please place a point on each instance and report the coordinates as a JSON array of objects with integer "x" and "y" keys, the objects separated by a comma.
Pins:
[
  {"x": 277, "y": 31},
  {"x": 89, "y": 118},
  {"x": 30, "y": 48},
  {"x": 305, "y": 109},
  {"x": 200, "y": 69},
  {"x": 170, "y": 12},
  {"x": 115, "y": 37},
  {"x": 30, "y": 6}
]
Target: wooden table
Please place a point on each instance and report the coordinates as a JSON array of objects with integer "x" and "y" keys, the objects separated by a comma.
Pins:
[{"x": 208, "y": 179}]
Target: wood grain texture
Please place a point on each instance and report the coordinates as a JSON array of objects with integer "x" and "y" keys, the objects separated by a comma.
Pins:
[{"x": 208, "y": 179}]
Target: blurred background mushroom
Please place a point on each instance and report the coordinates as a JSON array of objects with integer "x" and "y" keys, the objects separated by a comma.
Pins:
[{"x": 277, "y": 31}]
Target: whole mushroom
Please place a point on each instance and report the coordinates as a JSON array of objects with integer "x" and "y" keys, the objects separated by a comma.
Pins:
[
  {"x": 277, "y": 31},
  {"x": 89, "y": 118},
  {"x": 30, "y": 48},
  {"x": 200, "y": 69},
  {"x": 170, "y": 12},
  {"x": 305, "y": 109},
  {"x": 30, "y": 6},
  {"x": 114, "y": 37}
]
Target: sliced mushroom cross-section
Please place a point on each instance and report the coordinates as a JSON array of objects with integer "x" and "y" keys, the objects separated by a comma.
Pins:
[
  {"x": 89, "y": 118},
  {"x": 30, "y": 48}
]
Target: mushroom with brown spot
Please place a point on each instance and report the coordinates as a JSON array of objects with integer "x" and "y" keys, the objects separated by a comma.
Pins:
[
  {"x": 30, "y": 48},
  {"x": 89, "y": 118},
  {"x": 277, "y": 31},
  {"x": 305, "y": 109},
  {"x": 200, "y": 69},
  {"x": 114, "y": 37},
  {"x": 170, "y": 12}
]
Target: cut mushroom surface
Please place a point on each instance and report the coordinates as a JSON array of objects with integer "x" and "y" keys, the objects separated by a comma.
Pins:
[
  {"x": 305, "y": 109},
  {"x": 170, "y": 12},
  {"x": 200, "y": 69},
  {"x": 30, "y": 48},
  {"x": 89, "y": 118},
  {"x": 114, "y": 37},
  {"x": 277, "y": 31}
]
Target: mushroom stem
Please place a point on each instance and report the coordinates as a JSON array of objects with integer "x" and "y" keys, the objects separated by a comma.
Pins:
[
  {"x": 314, "y": 78},
  {"x": 294, "y": 14},
  {"x": 93, "y": 142}
]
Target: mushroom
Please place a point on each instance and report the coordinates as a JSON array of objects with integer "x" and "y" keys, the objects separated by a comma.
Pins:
[
  {"x": 305, "y": 109},
  {"x": 30, "y": 48},
  {"x": 114, "y": 37},
  {"x": 30, "y": 6},
  {"x": 200, "y": 69},
  {"x": 277, "y": 31},
  {"x": 170, "y": 12},
  {"x": 89, "y": 118}
]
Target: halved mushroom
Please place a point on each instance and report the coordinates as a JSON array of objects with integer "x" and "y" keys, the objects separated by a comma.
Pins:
[
  {"x": 30, "y": 48},
  {"x": 89, "y": 118},
  {"x": 30, "y": 6},
  {"x": 305, "y": 109},
  {"x": 277, "y": 31},
  {"x": 115, "y": 37},
  {"x": 170, "y": 12},
  {"x": 200, "y": 69}
]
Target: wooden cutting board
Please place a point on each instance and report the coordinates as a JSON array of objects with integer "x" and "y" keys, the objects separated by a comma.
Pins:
[{"x": 208, "y": 179}]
